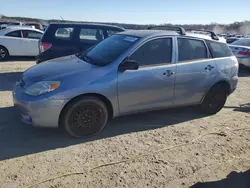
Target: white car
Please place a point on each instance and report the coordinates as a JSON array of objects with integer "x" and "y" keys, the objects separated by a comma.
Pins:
[{"x": 19, "y": 41}]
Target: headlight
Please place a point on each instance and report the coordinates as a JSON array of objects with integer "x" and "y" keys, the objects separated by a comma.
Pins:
[{"x": 43, "y": 87}]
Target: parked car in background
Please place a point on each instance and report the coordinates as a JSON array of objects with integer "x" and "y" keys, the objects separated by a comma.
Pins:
[
  {"x": 19, "y": 41},
  {"x": 239, "y": 36},
  {"x": 128, "y": 72},
  {"x": 36, "y": 25},
  {"x": 45, "y": 26},
  {"x": 230, "y": 35},
  {"x": 3, "y": 23},
  {"x": 241, "y": 49},
  {"x": 222, "y": 35},
  {"x": 4, "y": 26},
  {"x": 66, "y": 39},
  {"x": 231, "y": 39}
]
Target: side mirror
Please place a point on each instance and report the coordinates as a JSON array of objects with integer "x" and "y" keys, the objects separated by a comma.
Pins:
[{"x": 128, "y": 65}]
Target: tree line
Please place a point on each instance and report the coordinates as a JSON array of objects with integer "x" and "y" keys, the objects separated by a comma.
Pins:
[{"x": 236, "y": 27}]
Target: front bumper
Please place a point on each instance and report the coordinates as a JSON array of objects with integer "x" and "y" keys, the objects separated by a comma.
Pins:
[
  {"x": 37, "y": 111},
  {"x": 244, "y": 61}
]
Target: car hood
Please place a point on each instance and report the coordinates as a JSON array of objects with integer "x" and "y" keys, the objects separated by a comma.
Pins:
[{"x": 55, "y": 67}]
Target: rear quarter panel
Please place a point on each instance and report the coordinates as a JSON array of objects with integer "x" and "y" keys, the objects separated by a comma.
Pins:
[{"x": 228, "y": 68}]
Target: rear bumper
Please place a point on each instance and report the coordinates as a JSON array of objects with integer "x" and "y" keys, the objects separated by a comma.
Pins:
[
  {"x": 244, "y": 61},
  {"x": 37, "y": 111}
]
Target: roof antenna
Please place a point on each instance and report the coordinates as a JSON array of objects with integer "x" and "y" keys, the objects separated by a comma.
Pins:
[{"x": 62, "y": 18}]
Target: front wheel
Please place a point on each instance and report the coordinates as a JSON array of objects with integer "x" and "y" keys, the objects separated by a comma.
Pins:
[
  {"x": 84, "y": 117},
  {"x": 214, "y": 100}
]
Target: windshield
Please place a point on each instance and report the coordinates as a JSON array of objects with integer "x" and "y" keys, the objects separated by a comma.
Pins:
[
  {"x": 108, "y": 50},
  {"x": 242, "y": 42}
]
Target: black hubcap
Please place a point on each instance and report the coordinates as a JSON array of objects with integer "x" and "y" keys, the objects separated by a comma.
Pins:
[{"x": 86, "y": 117}]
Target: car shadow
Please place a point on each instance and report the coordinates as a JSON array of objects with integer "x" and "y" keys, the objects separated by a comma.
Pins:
[
  {"x": 18, "y": 139},
  {"x": 241, "y": 108},
  {"x": 233, "y": 180},
  {"x": 8, "y": 79},
  {"x": 244, "y": 72},
  {"x": 17, "y": 58}
]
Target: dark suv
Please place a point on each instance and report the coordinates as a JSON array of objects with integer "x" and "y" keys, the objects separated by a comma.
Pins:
[{"x": 67, "y": 39}]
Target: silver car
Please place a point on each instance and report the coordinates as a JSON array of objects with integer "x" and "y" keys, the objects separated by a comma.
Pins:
[
  {"x": 129, "y": 72},
  {"x": 241, "y": 49}
]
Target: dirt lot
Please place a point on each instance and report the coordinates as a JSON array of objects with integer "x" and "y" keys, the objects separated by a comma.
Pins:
[{"x": 29, "y": 155}]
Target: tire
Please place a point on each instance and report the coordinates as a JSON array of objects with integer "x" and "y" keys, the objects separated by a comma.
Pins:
[
  {"x": 4, "y": 54},
  {"x": 214, "y": 100},
  {"x": 84, "y": 117}
]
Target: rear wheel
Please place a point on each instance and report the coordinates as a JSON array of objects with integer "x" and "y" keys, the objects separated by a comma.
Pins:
[
  {"x": 84, "y": 117},
  {"x": 4, "y": 54},
  {"x": 214, "y": 100}
]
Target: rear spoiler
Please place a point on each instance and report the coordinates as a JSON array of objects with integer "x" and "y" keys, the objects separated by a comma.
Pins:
[
  {"x": 180, "y": 30},
  {"x": 212, "y": 34}
]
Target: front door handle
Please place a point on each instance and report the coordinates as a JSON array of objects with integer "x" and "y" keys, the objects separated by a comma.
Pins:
[
  {"x": 168, "y": 73},
  {"x": 209, "y": 68}
]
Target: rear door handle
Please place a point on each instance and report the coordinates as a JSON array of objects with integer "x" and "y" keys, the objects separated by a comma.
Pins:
[
  {"x": 168, "y": 73},
  {"x": 209, "y": 68}
]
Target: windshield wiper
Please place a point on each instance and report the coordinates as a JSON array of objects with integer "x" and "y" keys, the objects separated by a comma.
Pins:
[
  {"x": 84, "y": 57},
  {"x": 87, "y": 59}
]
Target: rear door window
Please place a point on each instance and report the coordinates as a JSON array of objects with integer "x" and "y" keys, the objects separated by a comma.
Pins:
[
  {"x": 64, "y": 33},
  {"x": 31, "y": 34},
  {"x": 191, "y": 49},
  {"x": 14, "y": 34},
  {"x": 91, "y": 34},
  {"x": 219, "y": 49}
]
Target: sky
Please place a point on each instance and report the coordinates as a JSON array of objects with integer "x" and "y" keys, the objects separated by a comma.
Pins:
[{"x": 131, "y": 11}]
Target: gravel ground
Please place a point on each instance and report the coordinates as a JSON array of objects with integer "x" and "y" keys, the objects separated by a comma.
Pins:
[{"x": 29, "y": 155}]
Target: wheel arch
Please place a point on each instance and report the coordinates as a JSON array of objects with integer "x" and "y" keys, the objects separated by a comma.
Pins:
[
  {"x": 101, "y": 97},
  {"x": 223, "y": 83}
]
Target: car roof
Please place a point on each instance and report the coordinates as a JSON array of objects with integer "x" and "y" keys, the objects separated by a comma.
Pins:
[
  {"x": 10, "y": 29},
  {"x": 157, "y": 33},
  {"x": 86, "y": 24}
]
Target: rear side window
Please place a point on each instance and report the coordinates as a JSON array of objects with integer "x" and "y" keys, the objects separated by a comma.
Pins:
[
  {"x": 219, "y": 49},
  {"x": 31, "y": 34},
  {"x": 64, "y": 33},
  {"x": 91, "y": 34},
  {"x": 14, "y": 34},
  {"x": 157, "y": 51},
  {"x": 191, "y": 49}
]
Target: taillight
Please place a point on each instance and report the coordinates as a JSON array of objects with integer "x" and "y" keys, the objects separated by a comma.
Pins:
[
  {"x": 44, "y": 46},
  {"x": 244, "y": 53}
]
